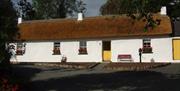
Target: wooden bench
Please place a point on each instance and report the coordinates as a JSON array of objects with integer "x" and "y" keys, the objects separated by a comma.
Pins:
[{"x": 124, "y": 58}]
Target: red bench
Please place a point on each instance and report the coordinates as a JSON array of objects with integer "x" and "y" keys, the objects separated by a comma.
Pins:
[{"x": 124, "y": 58}]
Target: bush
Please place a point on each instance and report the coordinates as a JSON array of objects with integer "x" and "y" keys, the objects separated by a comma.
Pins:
[{"x": 7, "y": 83}]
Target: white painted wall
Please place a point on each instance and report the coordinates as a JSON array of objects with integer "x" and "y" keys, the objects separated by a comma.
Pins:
[
  {"x": 70, "y": 50},
  {"x": 42, "y": 52},
  {"x": 162, "y": 49},
  {"x": 126, "y": 46}
]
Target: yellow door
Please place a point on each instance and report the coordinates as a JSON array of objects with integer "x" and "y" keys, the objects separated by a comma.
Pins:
[
  {"x": 176, "y": 47},
  {"x": 106, "y": 55}
]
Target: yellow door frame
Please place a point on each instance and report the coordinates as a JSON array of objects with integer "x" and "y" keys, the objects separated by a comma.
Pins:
[{"x": 174, "y": 50}]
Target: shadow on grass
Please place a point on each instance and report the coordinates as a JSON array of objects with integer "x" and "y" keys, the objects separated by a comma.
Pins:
[{"x": 119, "y": 81}]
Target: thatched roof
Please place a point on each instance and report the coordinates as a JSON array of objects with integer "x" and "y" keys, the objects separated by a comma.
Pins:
[{"x": 94, "y": 27}]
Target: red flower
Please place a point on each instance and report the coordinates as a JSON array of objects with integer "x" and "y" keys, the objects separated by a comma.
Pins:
[
  {"x": 15, "y": 87},
  {"x": 4, "y": 81}
]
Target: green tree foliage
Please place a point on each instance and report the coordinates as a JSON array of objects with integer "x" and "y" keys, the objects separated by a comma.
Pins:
[
  {"x": 174, "y": 9},
  {"x": 47, "y": 9},
  {"x": 8, "y": 28},
  {"x": 25, "y": 10},
  {"x": 138, "y": 9},
  {"x": 132, "y": 6},
  {"x": 81, "y": 6}
]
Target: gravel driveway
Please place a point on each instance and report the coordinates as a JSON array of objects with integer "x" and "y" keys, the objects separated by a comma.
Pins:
[{"x": 58, "y": 79}]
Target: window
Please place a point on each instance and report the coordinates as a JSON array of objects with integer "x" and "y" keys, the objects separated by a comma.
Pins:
[
  {"x": 147, "y": 46},
  {"x": 56, "y": 49},
  {"x": 20, "y": 50},
  {"x": 83, "y": 47}
]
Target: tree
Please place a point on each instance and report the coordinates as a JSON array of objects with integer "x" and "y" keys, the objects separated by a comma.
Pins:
[
  {"x": 136, "y": 9},
  {"x": 8, "y": 28},
  {"x": 25, "y": 10},
  {"x": 140, "y": 6},
  {"x": 132, "y": 6},
  {"x": 47, "y": 9},
  {"x": 81, "y": 6},
  {"x": 174, "y": 10}
]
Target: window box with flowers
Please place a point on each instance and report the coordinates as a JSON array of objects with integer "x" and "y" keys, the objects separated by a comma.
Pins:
[
  {"x": 82, "y": 51},
  {"x": 19, "y": 52},
  {"x": 56, "y": 51},
  {"x": 147, "y": 50}
]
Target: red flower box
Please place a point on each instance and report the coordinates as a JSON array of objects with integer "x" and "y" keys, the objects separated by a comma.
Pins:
[
  {"x": 83, "y": 51},
  {"x": 147, "y": 50},
  {"x": 56, "y": 51}
]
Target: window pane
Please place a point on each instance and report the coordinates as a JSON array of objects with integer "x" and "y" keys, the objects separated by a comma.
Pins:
[
  {"x": 56, "y": 44},
  {"x": 146, "y": 42},
  {"x": 83, "y": 44},
  {"x": 19, "y": 45}
]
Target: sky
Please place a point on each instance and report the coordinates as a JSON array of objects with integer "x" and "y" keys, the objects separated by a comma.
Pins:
[{"x": 92, "y": 6}]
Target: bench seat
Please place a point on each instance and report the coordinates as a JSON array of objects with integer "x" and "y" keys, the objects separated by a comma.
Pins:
[{"x": 124, "y": 58}]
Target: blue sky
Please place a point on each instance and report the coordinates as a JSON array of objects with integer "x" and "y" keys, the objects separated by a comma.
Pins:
[{"x": 93, "y": 7}]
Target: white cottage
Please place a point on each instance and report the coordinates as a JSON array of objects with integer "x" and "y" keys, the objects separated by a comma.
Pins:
[{"x": 96, "y": 39}]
